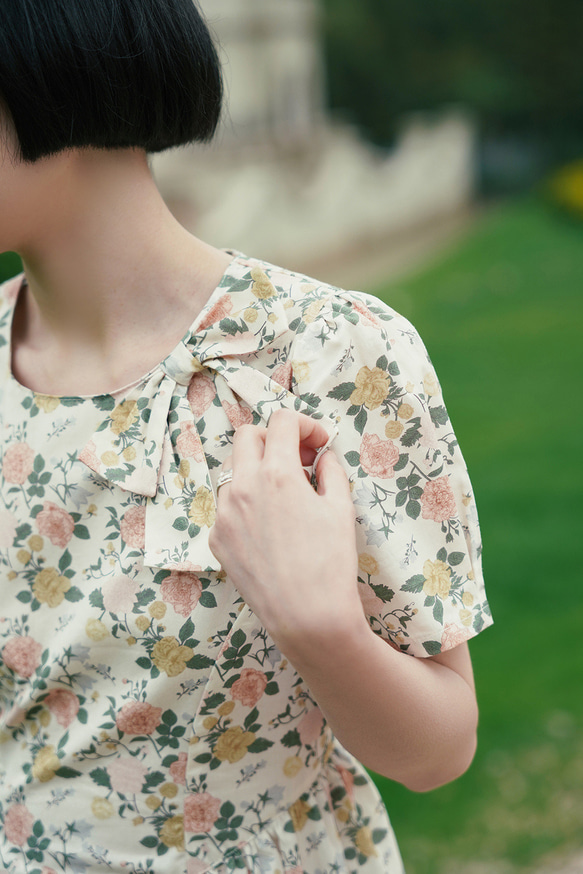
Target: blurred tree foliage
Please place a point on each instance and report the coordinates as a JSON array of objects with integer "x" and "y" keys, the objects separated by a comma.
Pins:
[{"x": 517, "y": 63}]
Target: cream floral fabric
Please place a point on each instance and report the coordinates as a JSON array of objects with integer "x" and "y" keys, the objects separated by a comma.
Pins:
[{"x": 148, "y": 722}]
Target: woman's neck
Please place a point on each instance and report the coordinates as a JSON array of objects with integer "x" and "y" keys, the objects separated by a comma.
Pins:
[{"x": 113, "y": 279}]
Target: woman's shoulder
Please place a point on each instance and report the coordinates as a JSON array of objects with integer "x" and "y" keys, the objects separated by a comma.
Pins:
[{"x": 309, "y": 300}]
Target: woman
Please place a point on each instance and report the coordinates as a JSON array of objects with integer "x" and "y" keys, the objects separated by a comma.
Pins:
[{"x": 188, "y": 674}]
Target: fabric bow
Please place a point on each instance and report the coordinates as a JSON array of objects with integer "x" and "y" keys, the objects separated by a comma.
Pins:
[{"x": 152, "y": 443}]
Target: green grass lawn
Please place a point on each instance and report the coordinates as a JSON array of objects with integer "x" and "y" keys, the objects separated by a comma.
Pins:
[{"x": 502, "y": 317}]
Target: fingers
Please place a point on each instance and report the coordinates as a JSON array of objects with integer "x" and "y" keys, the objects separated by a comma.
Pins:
[
  {"x": 332, "y": 480},
  {"x": 293, "y": 438},
  {"x": 248, "y": 447}
]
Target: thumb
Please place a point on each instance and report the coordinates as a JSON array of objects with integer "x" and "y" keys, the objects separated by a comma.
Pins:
[{"x": 331, "y": 478}]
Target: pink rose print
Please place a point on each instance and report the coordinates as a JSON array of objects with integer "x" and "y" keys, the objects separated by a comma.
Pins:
[
  {"x": 201, "y": 811},
  {"x": 453, "y": 635},
  {"x": 438, "y": 501},
  {"x": 64, "y": 704},
  {"x": 371, "y": 604},
  {"x": 46, "y": 870},
  {"x": 7, "y": 528},
  {"x": 310, "y": 727},
  {"x": 201, "y": 393},
  {"x": 22, "y": 655},
  {"x": 138, "y": 717},
  {"x": 18, "y": 824},
  {"x": 119, "y": 594},
  {"x": 178, "y": 769},
  {"x": 55, "y": 523},
  {"x": 378, "y": 457},
  {"x": 126, "y": 775},
  {"x": 365, "y": 314},
  {"x": 283, "y": 375},
  {"x": 222, "y": 308},
  {"x": 249, "y": 688},
  {"x": 88, "y": 456},
  {"x": 237, "y": 414},
  {"x": 133, "y": 527},
  {"x": 196, "y": 866},
  {"x": 188, "y": 442},
  {"x": 347, "y": 779},
  {"x": 18, "y": 463},
  {"x": 182, "y": 590}
]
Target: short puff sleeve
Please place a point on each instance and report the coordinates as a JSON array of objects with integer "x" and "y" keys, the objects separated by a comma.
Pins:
[{"x": 418, "y": 540}]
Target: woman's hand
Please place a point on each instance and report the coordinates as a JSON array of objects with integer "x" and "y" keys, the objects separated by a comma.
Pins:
[{"x": 290, "y": 551}]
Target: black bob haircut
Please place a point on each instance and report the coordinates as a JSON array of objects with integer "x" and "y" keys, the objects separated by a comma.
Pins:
[{"x": 108, "y": 74}]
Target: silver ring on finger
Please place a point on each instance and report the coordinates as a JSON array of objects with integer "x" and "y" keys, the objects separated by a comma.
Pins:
[{"x": 225, "y": 477}]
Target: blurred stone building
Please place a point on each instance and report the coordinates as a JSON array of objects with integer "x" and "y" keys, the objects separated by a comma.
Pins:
[{"x": 286, "y": 182}]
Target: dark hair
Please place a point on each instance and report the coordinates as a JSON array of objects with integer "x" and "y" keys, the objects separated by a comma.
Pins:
[{"x": 109, "y": 74}]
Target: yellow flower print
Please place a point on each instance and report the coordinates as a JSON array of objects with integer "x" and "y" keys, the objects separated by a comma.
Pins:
[
  {"x": 250, "y": 315},
  {"x": 272, "y": 317},
  {"x": 430, "y": 385},
  {"x": 143, "y": 622},
  {"x": 405, "y": 411},
  {"x": 129, "y": 453},
  {"x": 184, "y": 468},
  {"x": 364, "y": 842},
  {"x": 299, "y": 814},
  {"x": 202, "y": 510},
  {"x": 36, "y": 542},
  {"x": 101, "y": 808},
  {"x": 49, "y": 587},
  {"x": 96, "y": 630},
  {"x": 109, "y": 458},
  {"x": 372, "y": 387},
  {"x": 437, "y": 578},
  {"x": 157, "y": 610},
  {"x": 123, "y": 416},
  {"x": 301, "y": 370},
  {"x": 466, "y": 617},
  {"x": 311, "y": 312},
  {"x": 168, "y": 790},
  {"x": 292, "y": 766},
  {"x": 44, "y": 717},
  {"x": 172, "y": 832},
  {"x": 153, "y": 802},
  {"x": 393, "y": 430},
  {"x": 45, "y": 763},
  {"x": 232, "y": 744},
  {"x": 170, "y": 656},
  {"x": 262, "y": 287},
  {"x": 47, "y": 403},
  {"x": 23, "y": 556},
  {"x": 467, "y": 599},
  {"x": 367, "y": 564},
  {"x": 226, "y": 708},
  {"x": 342, "y": 815},
  {"x": 209, "y": 722}
]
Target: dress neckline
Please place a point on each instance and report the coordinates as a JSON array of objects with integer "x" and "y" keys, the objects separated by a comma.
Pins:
[{"x": 220, "y": 288}]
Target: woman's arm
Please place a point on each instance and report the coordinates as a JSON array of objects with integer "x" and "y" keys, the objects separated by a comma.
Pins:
[{"x": 291, "y": 553}]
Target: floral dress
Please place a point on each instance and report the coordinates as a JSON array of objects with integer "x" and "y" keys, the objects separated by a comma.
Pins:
[{"x": 148, "y": 722}]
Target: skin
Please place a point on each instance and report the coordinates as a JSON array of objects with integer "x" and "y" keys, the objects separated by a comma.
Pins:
[
  {"x": 413, "y": 720},
  {"x": 113, "y": 284}
]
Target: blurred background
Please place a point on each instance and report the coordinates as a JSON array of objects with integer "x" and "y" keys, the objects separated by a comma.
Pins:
[{"x": 432, "y": 153}]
